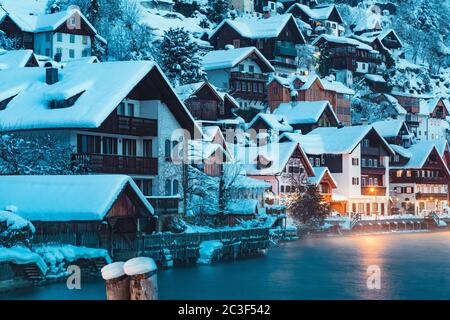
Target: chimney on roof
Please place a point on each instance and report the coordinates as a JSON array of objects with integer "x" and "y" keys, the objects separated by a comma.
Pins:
[{"x": 51, "y": 73}]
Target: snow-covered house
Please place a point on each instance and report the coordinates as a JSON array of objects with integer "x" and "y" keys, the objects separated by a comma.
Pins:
[
  {"x": 325, "y": 183},
  {"x": 207, "y": 103},
  {"x": 61, "y": 36},
  {"x": 243, "y": 72},
  {"x": 119, "y": 117},
  {"x": 419, "y": 179},
  {"x": 307, "y": 115},
  {"x": 434, "y": 119},
  {"x": 311, "y": 88},
  {"x": 17, "y": 59},
  {"x": 276, "y": 37},
  {"x": 346, "y": 56},
  {"x": 387, "y": 42},
  {"x": 368, "y": 22},
  {"x": 358, "y": 159},
  {"x": 395, "y": 132},
  {"x": 324, "y": 18},
  {"x": 284, "y": 165},
  {"x": 97, "y": 211}
]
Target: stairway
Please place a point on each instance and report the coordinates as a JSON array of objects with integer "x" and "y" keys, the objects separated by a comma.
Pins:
[{"x": 355, "y": 220}]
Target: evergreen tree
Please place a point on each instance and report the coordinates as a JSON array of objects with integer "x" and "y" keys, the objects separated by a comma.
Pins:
[
  {"x": 179, "y": 57},
  {"x": 217, "y": 10},
  {"x": 307, "y": 207}
]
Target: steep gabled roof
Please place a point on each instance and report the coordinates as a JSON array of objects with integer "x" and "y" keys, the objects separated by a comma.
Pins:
[
  {"x": 44, "y": 22},
  {"x": 102, "y": 87},
  {"x": 418, "y": 155},
  {"x": 273, "y": 121},
  {"x": 227, "y": 59},
  {"x": 253, "y": 28},
  {"x": 304, "y": 112},
  {"x": 321, "y": 12},
  {"x": 338, "y": 140},
  {"x": 319, "y": 174},
  {"x": 277, "y": 153},
  {"x": 66, "y": 198},
  {"x": 16, "y": 58},
  {"x": 390, "y": 128},
  {"x": 342, "y": 40}
]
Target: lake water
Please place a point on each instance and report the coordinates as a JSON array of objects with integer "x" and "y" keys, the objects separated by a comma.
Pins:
[{"x": 412, "y": 266}]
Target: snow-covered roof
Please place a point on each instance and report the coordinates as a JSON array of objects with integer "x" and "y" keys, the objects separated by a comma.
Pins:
[
  {"x": 343, "y": 40},
  {"x": 401, "y": 151},
  {"x": 441, "y": 145},
  {"x": 326, "y": 83},
  {"x": 259, "y": 28},
  {"x": 227, "y": 59},
  {"x": 200, "y": 150},
  {"x": 244, "y": 182},
  {"x": 273, "y": 121},
  {"x": 277, "y": 153},
  {"x": 375, "y": 78},
  {"x": 368, "y": 21},
  {"x": 103, "y": 86},
  {"x": 186, "y": 91},
  {"x": 65, "y": 198},
  {"x": 389, "y": 128},
  {"x": 427, "y": 106},
  {"x": 394, "y": 102},
  {"x": 329, "y": 140},
  {"x": 37, "y": 23},
  {"x": 320, "y": 12},
  {"x": 418, "y": 155},
  {"x": 15, "y": 58},
  {"x": 319, "y": 174},
  {"x": 304, "y": 112}
]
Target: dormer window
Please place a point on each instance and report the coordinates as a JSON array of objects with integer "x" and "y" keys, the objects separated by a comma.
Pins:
[
  {"x": 5, "y": 102},
  {"x": 64, "y": 103}
]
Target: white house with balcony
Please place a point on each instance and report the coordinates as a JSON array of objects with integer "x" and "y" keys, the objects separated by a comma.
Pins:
[{"x": 119, "y": 118}]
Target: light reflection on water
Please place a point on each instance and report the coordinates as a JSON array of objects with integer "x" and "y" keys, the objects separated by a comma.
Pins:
[{"x": 413, "y": 266}]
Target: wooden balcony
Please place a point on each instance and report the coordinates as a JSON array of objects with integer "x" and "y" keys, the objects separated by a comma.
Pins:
[
  {"x": 165, "y": 205},
  {"x": 418, "y": 180},
  {"x": 249, "y": 76},
  {"x": 132, "y": 126},
  {"x": 285, "y": 65},
  {"x": 373, "y": 191},
  {"x": 373, "y": 170},
  {"x": 431, "y": 196},
  {"x": 101, "y": 163}
]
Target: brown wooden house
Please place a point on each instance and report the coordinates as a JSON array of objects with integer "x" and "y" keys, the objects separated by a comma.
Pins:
[
  {"x": 276, "y": 37},
  {"x": 99, "y": 211}
]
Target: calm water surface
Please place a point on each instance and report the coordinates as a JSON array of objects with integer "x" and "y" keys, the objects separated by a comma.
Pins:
[{"x": 413, "y": 266}]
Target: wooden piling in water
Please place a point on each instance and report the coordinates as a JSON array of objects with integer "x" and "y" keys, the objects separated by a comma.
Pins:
[
  {"x": 143, "y": 278},
  {"x": 117, "y": 282}
]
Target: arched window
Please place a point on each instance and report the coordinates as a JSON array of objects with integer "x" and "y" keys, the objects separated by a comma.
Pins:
[
  {"x": 167, "y": 187},
  {"x": 175, "y": 187},
  {"x": 167, "y": 150}
]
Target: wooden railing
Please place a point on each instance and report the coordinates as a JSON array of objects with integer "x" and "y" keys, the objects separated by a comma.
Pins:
[
  {"x": 102, "y": 163},
  {"x": 249, "y": 76},
  {"x": 133, "y": 126},
  {"x": 165, "y": 205}
]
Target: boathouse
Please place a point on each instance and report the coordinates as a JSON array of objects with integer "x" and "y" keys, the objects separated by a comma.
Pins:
[{"x": 96, "y": 211}]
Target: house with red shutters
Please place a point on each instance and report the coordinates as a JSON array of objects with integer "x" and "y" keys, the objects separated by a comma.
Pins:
[
  {"x": 311, "y": 88},
  {"x": 276, "y": 37}
]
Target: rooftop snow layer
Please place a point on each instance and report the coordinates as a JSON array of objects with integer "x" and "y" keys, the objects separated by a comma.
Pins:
[
  {"x": 419, "y": 153},
  {"x": 15, "y": 58},
  {"x": 65, "y": 198},
  {"x": 388, "y": 128},
  {"x": 256, "y": 28},
  {"x": 319, "y": 173},
  {"x": 303, "y": 112},
  {"x": 343, "y": 40},
  {"x": 22, "y": 255},
  {"x": 322, "y": 12},
  {"x": 274, "y": 121},
  {"x": 226, "y": 59}
]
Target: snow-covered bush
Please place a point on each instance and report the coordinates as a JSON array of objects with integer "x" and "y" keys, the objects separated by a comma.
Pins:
[
  {"x": 14, "y": 230},
  {"x": 35, "y": 156}
]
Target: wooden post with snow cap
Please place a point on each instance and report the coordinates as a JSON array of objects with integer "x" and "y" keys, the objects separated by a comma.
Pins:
[
  {"x": 143, "y": 282},
  {"x": 117, "y": 282}
]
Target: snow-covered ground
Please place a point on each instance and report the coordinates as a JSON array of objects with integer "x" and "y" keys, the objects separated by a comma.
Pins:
[{"x": 209, "y": 250}]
